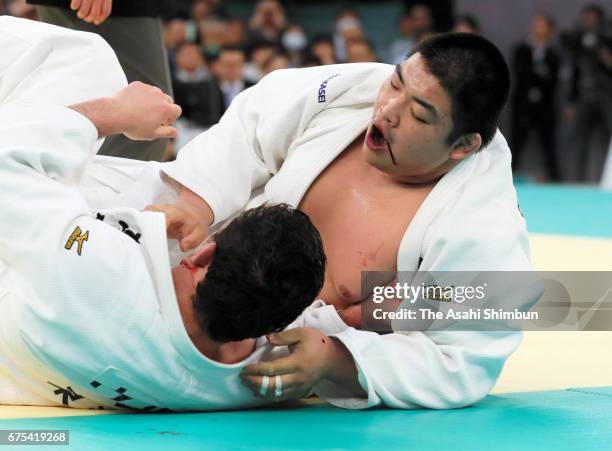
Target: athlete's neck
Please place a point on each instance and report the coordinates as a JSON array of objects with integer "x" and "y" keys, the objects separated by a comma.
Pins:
[{"x": 230, "y": 352}]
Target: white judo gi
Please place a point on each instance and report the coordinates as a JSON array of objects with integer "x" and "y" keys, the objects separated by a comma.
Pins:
[
  {"x": 88, "y": 312},
  {"x": 275, "y": 140},
  {"x": 271, "y": 145}
]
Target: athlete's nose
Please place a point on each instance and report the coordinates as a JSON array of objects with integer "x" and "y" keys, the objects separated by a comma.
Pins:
[{"x": 389, "y": 112}]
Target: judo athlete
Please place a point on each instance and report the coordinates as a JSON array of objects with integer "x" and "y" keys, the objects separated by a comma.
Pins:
[
  {"x": 400, "y": 168},
  {"x": 93, "y": 314}
]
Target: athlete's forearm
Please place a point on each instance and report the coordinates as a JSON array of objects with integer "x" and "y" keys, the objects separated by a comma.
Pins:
[
  {"x": 100, "y": 114},
  {"x": 343, "y": 370},
  {"x": 139, "y": 111},
  {"x": 198, "y": 206}
]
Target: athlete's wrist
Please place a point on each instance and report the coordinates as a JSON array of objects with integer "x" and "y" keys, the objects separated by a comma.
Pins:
[
  {"x": 341, "y": 368},
  {"x": 193, "y": 203},
  {"x": 100, "y": 113}
]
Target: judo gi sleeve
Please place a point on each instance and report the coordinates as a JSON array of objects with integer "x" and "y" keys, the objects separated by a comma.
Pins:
[
  {"x": 248, "y": 146},
  {"x": 43, "y": 152},
  {"x": 447, "y": 368},
  {"x": 45, "y": 63}
]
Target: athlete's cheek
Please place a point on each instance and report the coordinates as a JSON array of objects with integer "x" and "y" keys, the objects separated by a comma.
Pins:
[{"x": 405, "y": 155}]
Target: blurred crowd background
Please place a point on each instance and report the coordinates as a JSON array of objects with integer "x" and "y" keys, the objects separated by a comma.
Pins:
[{"x": 559, "y": 117}]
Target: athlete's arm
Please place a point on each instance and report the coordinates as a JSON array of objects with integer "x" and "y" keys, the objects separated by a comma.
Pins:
[
  {"x": 139, "y": 111},
  {"x": 44, "y": 149},
  {"x": 219, "y": 169}
]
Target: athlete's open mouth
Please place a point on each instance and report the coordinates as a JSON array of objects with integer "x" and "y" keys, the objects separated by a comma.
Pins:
[
  {"x": 378, "y": 136},
  {"x": 376, "y": 141}
]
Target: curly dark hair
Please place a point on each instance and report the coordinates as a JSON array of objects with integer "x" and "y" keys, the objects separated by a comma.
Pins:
[{"x": 268, "y": 267}]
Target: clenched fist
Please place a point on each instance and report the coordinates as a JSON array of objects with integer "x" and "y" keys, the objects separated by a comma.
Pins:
[
  {"x": 144, "y": 112},
  {"x": 139, "y": 111}
]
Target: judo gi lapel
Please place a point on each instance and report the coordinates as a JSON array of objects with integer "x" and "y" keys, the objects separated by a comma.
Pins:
[
  {"x": 488, "y": 169},
  {"x": 311, "y": 154}
]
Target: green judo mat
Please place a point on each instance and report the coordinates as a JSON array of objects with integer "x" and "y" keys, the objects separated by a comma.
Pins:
[
  {"x": 575, "y": 419},
  {"x": 566, "y": 210}
]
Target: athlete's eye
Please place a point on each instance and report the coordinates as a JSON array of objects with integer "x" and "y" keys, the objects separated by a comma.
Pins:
[{"x": 419, "y": 118}]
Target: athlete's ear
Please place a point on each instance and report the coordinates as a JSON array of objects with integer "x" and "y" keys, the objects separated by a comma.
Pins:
[
  {"x": 202, "y": 256},
  {"x": 465, "y": 146}
]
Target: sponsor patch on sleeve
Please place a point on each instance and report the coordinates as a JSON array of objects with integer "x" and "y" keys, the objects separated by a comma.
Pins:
[
  {"x": 321, "y": 98},
  {"x": 78, "y": 237}
]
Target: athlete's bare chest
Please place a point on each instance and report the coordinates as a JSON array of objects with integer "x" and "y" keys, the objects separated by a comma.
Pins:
[{"x": 362, "y": 216}]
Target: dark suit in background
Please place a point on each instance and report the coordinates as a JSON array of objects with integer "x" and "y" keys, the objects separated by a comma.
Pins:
[{"x": 536, "y": 72}]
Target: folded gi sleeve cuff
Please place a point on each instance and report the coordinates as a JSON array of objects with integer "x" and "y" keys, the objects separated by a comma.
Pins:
[
  {"x": 54, "y": 117},
  {"x": 206, "y": 191},
  {"x": 340, "y": 396},
  {"x": 56, "y": 132}
]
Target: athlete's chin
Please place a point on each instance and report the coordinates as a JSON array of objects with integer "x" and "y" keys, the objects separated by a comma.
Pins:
[
  {"x": 414, "y": 178},
  {"x": 376, "y": 159}
]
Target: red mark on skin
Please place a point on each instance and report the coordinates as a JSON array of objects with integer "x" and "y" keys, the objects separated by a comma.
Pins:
[
  {"x": 323, "y": 340},
  {"x": 370, "y": 257}
]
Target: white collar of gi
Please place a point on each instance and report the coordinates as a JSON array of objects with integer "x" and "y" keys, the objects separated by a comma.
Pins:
[{"x": 154, "y": 228}]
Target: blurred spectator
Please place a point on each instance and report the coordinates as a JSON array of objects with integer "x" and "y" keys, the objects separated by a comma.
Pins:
[
  {"x": 590, "y": 102},
  {"x": 177, "y": 8},
  {"x": 311, "y": 60},
  {"x": 346, "y": 27},
  {"x": 294, "y": 42},
  {"x": 202, "y": 104},
  {"x": 230, "y": 78},
  {"x": 235, "y": 32},
  {"x": 212, "y": 34},
  {"x": 322, "y": 49},
  {"x": 190, "y": 65},
  {"x": 422, "y": 21},
  {"x": 211, "y": 55},
  {"x": 536, "y": 68},
  {"x": 414, "y": 25},
  {"x": 359, "y": 51},
  {"x": 401, "y": 46},
  {"x": 466, "y": 24},
  {"x": 202, "y": 10},
  {"x": 204, "y": 99},
  {"x": 199, "y": 12},
  {"x": 268, "y": 21},
  {"x": 261, "y": 51},
  {"x": 175, "y": 34},
  {"x": 441, "y": 12},
  {"x": 276, "y": 62}
]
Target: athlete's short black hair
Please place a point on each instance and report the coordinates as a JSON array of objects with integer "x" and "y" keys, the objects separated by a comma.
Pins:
[
  {"x": 268, "y": 267},
  {"x": 475, "y": 75}
]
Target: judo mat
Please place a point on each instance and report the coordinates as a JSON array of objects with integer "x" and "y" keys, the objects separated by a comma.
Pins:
[
  {"x": 561, "y": 420},
  {"x": 553, "y": 392}
]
